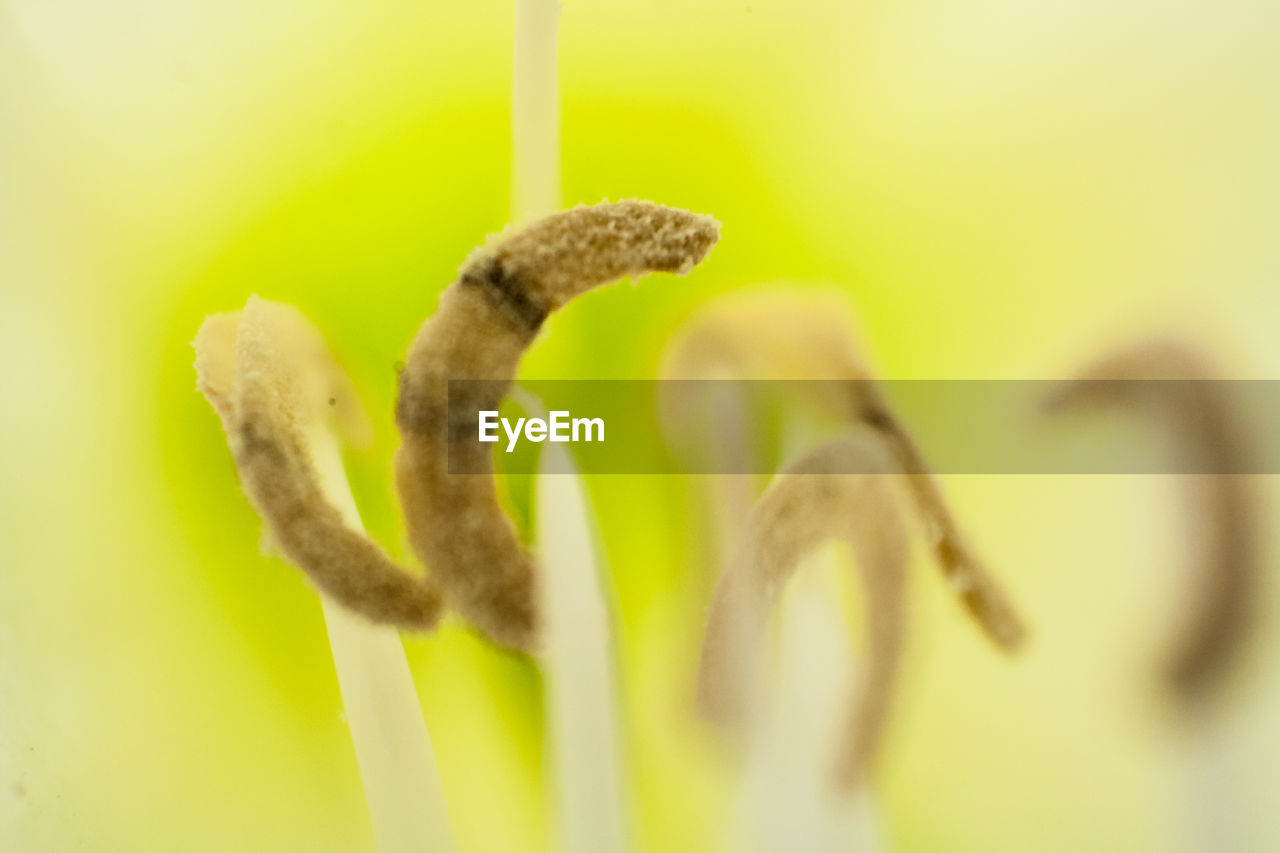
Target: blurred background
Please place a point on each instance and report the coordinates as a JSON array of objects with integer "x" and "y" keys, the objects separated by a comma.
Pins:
[{"x": 1000, "y": 188}]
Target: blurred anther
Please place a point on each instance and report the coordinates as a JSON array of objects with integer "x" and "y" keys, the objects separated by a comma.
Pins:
[
  {"x": 1176, "y": 384},
  {"x": 807, "y": 504},
  {"x": 784, "y": 335}
]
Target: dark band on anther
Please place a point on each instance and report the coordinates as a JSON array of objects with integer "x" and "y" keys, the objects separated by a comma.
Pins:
[
  {"x": 507, "y": 292},
  {"x": 259, "y": 443},
  {"x": 879, "y": 418}
]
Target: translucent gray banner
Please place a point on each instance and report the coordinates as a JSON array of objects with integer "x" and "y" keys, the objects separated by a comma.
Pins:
[{"x": 960, "y": 426}]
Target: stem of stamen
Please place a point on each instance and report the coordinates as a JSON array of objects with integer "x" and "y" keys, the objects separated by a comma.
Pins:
[
  {"x": 397, "y": 765},
  {"x": 535, "y": 112}
]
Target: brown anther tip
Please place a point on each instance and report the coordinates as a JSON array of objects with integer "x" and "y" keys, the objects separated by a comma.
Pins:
[
  {"x": 979, "y": 592},
  {"x": 1003, "y": 624},
  {"x": 553, "y": 259},
  {"x": 215, "y": 363}
]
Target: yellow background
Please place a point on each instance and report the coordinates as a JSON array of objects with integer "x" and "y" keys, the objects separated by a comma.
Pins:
[{"x": 1000, "y": 187}]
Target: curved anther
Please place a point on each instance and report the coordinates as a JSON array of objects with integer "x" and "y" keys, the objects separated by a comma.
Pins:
[
  {"x": 1175, "y": 383},
  {"x": 282, "y": 399},
  {"x": 806, "y": 505},
  {"x": 781, "y": 334},
  {"x": 486, "y": 320}
]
